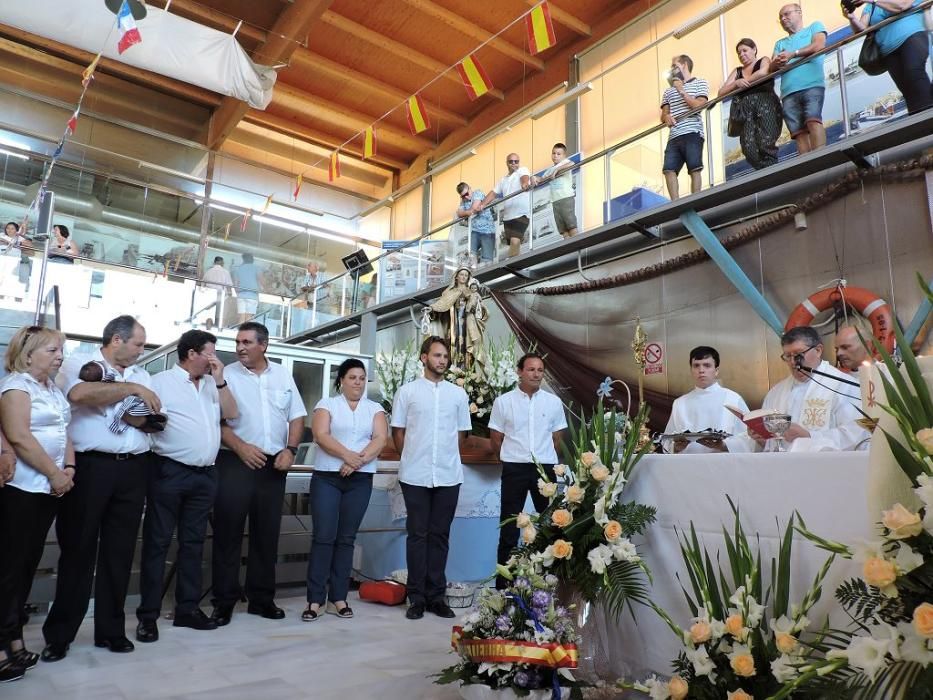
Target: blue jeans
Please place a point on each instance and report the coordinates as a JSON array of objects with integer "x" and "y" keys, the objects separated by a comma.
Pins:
[
  {"x": 483, "y": 246},
  {"x": 338, "y": 504}
]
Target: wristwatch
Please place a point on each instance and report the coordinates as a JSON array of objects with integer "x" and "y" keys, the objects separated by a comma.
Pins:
[{"x": 293, "y": 450}]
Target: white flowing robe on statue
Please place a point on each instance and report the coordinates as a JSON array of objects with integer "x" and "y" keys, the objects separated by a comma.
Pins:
[{"x": 829, "y": 417}]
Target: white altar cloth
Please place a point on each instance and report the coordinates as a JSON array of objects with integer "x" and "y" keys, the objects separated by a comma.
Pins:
[{"x": 827, "y": 489}]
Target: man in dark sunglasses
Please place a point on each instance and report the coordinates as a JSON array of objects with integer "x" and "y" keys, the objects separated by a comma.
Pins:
[
  {"x": 516, "y": 210},
  {"x": 482, "y": 225}
]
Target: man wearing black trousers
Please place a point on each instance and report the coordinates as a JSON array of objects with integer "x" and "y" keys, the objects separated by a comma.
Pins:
[
  {"x": 183, "y": 481},
  {"x": 525, "y": 428},
  {"x": 258, "y": 448},
  {"x": 429, "y": 417},
  {"x": 99, "y": 521}
]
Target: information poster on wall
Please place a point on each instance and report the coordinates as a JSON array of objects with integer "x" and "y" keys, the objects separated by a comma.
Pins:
[{"x": 398, "y": 270}]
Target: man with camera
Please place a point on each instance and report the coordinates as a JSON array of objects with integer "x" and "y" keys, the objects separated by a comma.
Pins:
[
  {"x": 685, "y": 143},
  {"x": 803, "y": 88}
]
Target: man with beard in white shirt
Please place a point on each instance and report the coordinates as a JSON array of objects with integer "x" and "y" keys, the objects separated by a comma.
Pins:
[{"x": 704, "y": 408}]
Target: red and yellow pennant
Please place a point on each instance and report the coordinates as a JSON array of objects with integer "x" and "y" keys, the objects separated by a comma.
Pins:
[
  {"x": 334, "y": 171},
  {"x": 474, "y": 77},
  {"x": 369, "y": 142},
  {"x": 72, "y": 123},
  {"x": 245, "y": 220},
  {"x": 417, "y": 115},
  {"x": 265, "y": 207},
  {"x": 503, "y": 651},
  {"x": 297, "y": 186},
  {"x": 540, "y": 29},
  {"x": 88, "y": 73}
]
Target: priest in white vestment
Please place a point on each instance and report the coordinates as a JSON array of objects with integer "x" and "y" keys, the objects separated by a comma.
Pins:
[
  {"x": 704, "y": 407},
  {"x": 823, "y": 410}
]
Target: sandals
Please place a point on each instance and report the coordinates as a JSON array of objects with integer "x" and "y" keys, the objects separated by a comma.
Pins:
[
  {"x": 345, "y": 612},
  {"x": 310, "y": 615},
  {"x": 25, "y": 658}
]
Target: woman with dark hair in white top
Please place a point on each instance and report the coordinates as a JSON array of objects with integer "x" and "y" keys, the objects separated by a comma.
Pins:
[
  {"x": 350, "y": 432},
  {"x": 34, "y": 415}
]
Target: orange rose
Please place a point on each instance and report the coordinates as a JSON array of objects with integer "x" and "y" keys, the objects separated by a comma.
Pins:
[
  {"x": 677, "y": 687},
  {"x": 562, "y": 549},
  {"x": 901, "y": 522},
  {"x": 739, "y": 695},
  {"x": 574, "y": 494},
  {"x": 923, "y": 620},
  {"x": 473, "y": 408},
  {"x": 879, "y": 572},
  {"x": 735, "y": 626},
  {"x": 786, "y": 643},
  {"x": 561, "y": 517},
  {"x": 925, "y": 438},
  {"x": 612, "y": 531},
  {"x": 743, "y": 665},
  {"x": 599, "y": 472},
  {"x": 700, "y": 632},
  {"x": 460, "y": 381},
  {"x": 529, "y": 534},
  {"x": 589, "y": 459}
]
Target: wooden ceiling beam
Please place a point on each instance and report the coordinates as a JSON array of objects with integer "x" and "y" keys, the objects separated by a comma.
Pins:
[
  {"x": 467, "y": 28},
  {"x": 349, "y": 120},
  {"x": 290, "y": 27},
  {"x": 305, "y": 133},
  {"x": 396, "y": 48},
  {"x": 563, "y": 17},
  {"x": 304, "y": 59}
]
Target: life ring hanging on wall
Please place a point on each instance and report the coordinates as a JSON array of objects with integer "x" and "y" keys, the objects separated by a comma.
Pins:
[{"x": 866, "y": 302}]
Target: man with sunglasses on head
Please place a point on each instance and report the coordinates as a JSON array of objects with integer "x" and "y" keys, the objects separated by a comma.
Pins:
[
  {"x": 822, "y": 409},
  {"x": 516, "y": 211},
  {"x": 482, "y": 225}
]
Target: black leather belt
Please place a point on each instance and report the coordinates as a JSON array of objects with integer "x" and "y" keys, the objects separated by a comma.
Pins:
[{"x": 115, "y": 456}]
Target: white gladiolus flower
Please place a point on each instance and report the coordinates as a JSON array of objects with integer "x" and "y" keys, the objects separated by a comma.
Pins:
[
  {"x": 907, "y": 559},
  {"x": 868, "y": 654},
  {"x": 599, "y": 557},
  {"x": 914, "y": 647},
  {"x": 925, "y": 490},
  {"x": 783, "y": 670},
  {"x": 702, "y": 664},
  {"x": 624, "y": 550}
]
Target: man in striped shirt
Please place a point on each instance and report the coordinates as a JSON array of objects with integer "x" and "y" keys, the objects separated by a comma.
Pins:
[{"x": 685, "y": 143}]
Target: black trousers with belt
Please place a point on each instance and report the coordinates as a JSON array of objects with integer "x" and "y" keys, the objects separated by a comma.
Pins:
[
  {"x": 25, "y": 519},
  {"x": 244, "y": 493},
  {"x": 518, "y": 480},
  {"x": 430, "y": 510},
  {"x": 178, "y": 495},
  {"x": 98, "y": 523}
]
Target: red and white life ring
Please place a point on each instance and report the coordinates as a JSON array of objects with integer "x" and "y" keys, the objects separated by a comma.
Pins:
[{"x": 866, "y": 302}]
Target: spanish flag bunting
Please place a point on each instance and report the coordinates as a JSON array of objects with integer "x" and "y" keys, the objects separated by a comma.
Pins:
[
  {"x": 245, "y": 220},
  {"x": 540, "y": 30},
  {"x": 265, "y": 207},
  {"x": 417, "y": 115},
  {"x": 334, "y": 172},
  {"x": 474, "y": 78},
  {"x": 88, "y": 75},
  {"x": 369, "y": 142},
  {"x": 297, "y": 186},
  {"x": 227, "y": 231},
  {"x": 72, "y": 123}
]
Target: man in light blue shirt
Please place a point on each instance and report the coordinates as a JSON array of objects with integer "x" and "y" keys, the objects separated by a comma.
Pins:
[
  {"x": 246, "y": 277},
  {"x": 482, "y": 225},
  {"x": 803, "y": 88}
]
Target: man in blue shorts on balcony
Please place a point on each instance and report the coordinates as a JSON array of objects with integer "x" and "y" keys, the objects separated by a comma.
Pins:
[
  {"x": 685, "y": 142},
  {"x": 802, "y": 88}
]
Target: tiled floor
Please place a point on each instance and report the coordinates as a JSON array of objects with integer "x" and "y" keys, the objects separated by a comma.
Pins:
[{"x": 378, "y": 654}]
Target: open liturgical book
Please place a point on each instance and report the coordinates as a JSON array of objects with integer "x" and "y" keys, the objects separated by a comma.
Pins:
[{"x": 755, "y": 420}]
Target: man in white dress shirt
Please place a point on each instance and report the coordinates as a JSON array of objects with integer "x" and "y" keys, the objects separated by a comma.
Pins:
[
  {"x": 823, "y": 410},
  {"x": 99, "y": 521},
  {"x": 430, "y": 421},
  {"x": 516, "y": 211},
  {"x": 184, "y": 480},
  {"x": 219, "y": 279},
  {"x": 704, "y": 407},
  {"x": 257, "y": 450},
  {"x": 525, "y": 428}
]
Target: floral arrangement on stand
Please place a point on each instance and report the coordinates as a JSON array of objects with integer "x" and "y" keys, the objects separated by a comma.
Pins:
[
  {"x": 482, "y": 388},
  {"x": 518, "y": 641},
  {"x": 395, "y": 369},
  {"x": 744, "y": 641},
  {"x": 888, "y": 650}
]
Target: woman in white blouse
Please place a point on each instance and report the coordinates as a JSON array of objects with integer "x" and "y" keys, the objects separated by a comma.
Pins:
[
  {"x": 34, "y": 414},
  {"x": 350, "y": 432}
]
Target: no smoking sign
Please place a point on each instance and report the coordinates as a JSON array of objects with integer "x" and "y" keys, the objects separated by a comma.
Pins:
[{"x": 654, "y": 359}]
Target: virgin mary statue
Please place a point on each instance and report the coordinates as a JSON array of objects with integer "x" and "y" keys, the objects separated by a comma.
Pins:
[{"x": 459, "y": 316}]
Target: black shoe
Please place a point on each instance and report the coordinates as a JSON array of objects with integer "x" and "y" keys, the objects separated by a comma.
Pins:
[
  {"x": 222, "y": 614},
  {"x": 270, "y": 611},
  {"x": 196, "y": 620},
  {"x": 441, "y": 609},
  {"x": 118, "y": 645},
  {"x": 147, "y": 631},
  {"x": 415, "y": 611},
  {"x": 11, "y": 670},
  {"x": 25, "y": 658},
  {"x": 54, "y": 652}
]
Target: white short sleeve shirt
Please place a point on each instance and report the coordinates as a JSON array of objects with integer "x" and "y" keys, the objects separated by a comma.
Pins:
[
  {"x": 192, "y": 432},
  {"x": 519, "y": 205},
  {"x": 48, "y": 420},
  {"x": 528, "y": 424},
  {"x": 90, "y": 425},
  {"x": 352, "y": 429},
  {"x": 267, "y": 402},
  {"x": 432, "y": 413}
]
